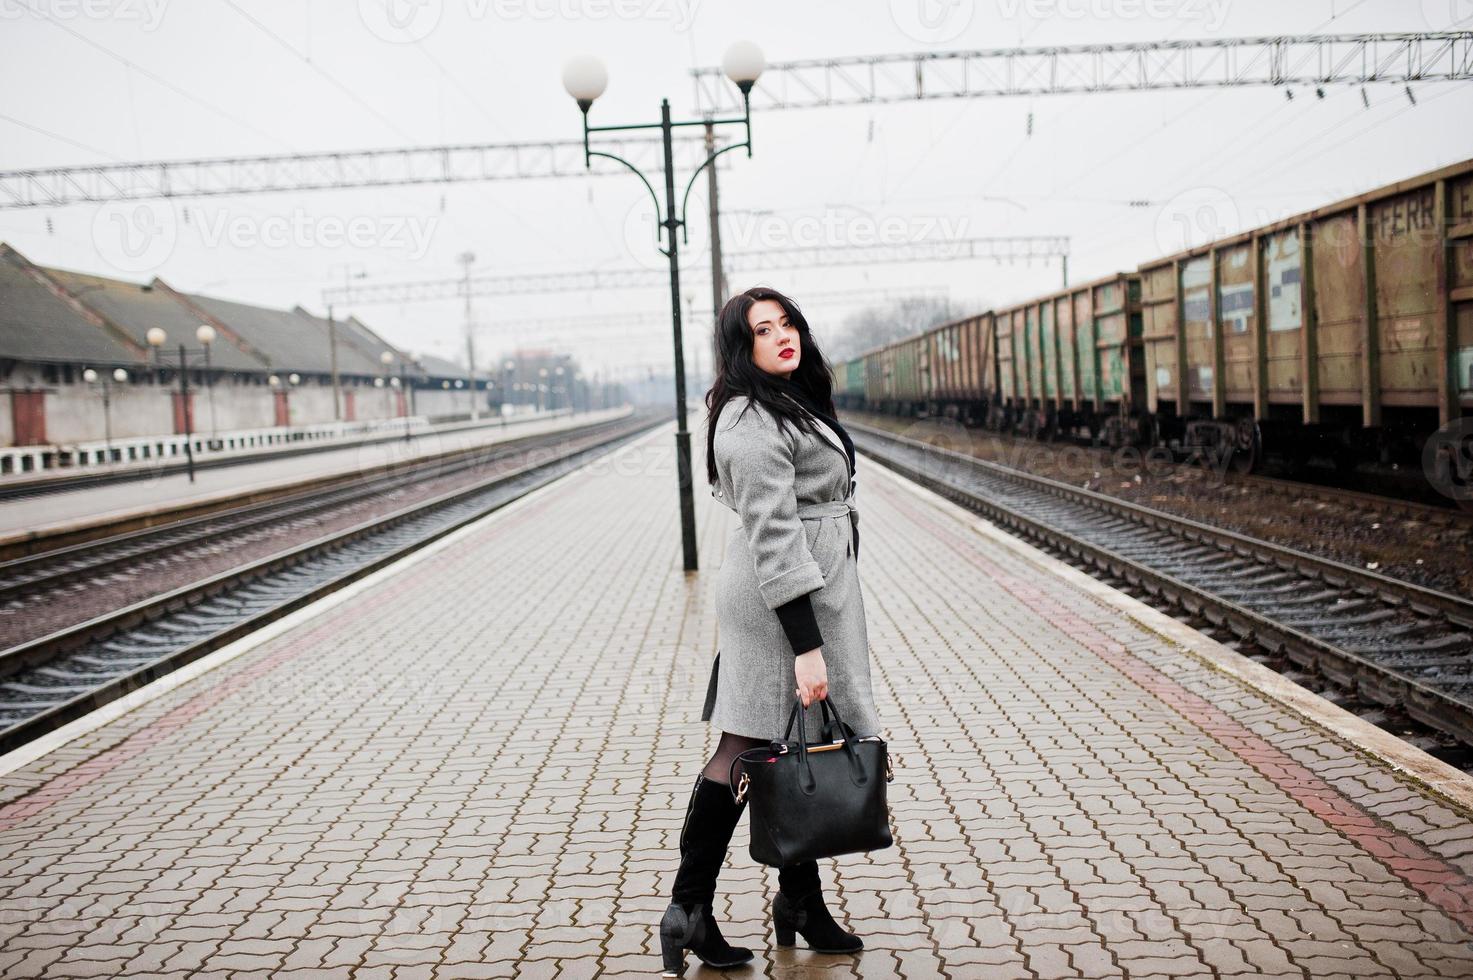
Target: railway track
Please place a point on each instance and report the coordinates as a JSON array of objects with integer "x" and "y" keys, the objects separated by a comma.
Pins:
[
  {"x": 54, "y": 679},
  {"x": 34, "y": 576},
  {"x": 1376, "y": 504},
  {"x": 21, "y": 487},
  {"x": 1389, "y": 642}
]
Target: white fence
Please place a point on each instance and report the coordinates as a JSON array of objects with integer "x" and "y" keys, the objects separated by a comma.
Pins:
[{"x": 93, "y": 457}]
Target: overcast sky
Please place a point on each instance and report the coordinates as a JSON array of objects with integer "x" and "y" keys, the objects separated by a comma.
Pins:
[{"x": 94, "y": 81}]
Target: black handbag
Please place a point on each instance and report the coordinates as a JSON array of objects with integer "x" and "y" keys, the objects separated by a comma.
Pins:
[{"x": 812, "y": 801}]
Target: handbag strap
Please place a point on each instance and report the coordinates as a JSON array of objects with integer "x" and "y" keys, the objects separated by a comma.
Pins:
[{"x": 856, "y": 768}]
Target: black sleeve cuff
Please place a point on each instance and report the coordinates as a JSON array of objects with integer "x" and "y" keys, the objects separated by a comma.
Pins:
[{"x": 799, "y": 624}]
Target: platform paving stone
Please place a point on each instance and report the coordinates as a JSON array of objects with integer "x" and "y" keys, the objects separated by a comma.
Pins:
[{"x": 478, "y": 768}]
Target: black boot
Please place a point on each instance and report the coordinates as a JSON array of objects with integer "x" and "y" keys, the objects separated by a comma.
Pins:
[
  {"x": 799, "y": 906},
  {"x": 710, "y": 818}
]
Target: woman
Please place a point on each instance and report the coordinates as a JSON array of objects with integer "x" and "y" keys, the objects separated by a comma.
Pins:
[{"x": 789, "y": 609}]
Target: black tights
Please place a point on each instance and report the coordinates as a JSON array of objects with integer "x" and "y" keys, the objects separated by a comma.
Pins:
[{"x": 719, "y": 768}]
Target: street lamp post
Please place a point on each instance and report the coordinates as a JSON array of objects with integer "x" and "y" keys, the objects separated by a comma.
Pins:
[
  {"x": 399, "y": 384},
  {"x": 120, "y": 376},
  {"x": 506, "y": 367},
  {"x": 156, "y": 338},
  {"x": 205, "y": 334},
  {"x": 585, "y": 79},
  {"x": 468, "y": 259}
]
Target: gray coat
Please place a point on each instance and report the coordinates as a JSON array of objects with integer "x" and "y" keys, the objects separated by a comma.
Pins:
[{"x": 794, "y": 496}]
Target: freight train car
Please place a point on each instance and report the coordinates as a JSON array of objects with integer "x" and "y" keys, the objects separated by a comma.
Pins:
[
  {"x": 1071, "y": 363},
  {"x": 1345, "y": 332}
]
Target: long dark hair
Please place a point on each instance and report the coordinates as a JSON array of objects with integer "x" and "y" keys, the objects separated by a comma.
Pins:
[{"x": 738, "y": 374}]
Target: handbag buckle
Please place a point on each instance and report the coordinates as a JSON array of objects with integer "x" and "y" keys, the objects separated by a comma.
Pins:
[{"x": 741, "y": 792}]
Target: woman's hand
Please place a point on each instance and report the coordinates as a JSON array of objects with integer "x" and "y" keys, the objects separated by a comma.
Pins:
[{"x": 812, "y": 676}]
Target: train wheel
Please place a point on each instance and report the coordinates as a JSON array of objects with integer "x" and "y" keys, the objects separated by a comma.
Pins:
[{"x": 1247, "y": 446}]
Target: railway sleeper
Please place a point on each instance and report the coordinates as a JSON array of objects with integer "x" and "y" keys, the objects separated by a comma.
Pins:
[
  {"x": 1438, "y": 667},
  {"x": 48, "y": 689},
  {"x": 1295, "y": 588},
  {"x": 132, "y": 644},
  {"x": 123, "y": 663},
  {"x": 1436, "y": 716},
  {"x": 1337, "y": 628},
  {"x": 91, "y": 677},
  {"x": 1441, "y": 644}
]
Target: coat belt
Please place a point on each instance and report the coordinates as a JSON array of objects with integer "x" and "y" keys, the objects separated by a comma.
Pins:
[
  {"x": 826, "y": 508},
  {"x": 830, "y": 508}
]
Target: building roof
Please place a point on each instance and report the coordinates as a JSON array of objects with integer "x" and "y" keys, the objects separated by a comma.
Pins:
[
  {"x": 76, "y": 318},
  {"x": 37, "y": 324},
  {"x": 440, "y": 368},
  {"x": 359, "y": 350},
  {"x": 285, "y": 340},
  {"x": 135, "y": 308}
]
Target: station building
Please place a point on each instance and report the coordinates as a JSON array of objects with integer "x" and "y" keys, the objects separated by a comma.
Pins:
[{"x": 77, "y": 368}]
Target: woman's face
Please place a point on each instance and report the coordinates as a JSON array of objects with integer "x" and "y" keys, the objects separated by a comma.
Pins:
[{"x": 775, "y": 347}]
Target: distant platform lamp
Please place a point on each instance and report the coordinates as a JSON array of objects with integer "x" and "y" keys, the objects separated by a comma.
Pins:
[
  {"x": 119, "y": 376},
  {"x": 156, "y": 338}
]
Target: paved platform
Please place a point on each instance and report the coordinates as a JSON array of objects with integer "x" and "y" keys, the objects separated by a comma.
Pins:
[
  {"x": 63, "y": 508},
  {"x": 476, "y": 765}
]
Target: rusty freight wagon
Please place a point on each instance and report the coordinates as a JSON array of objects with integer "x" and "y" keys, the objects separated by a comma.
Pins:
[
  {"x": 1345, "y": 332},
  {"x": 964, "y": 363},
  {"x": 950, "y": 370},
  {"x": 849, "y": 377},
  {"x": 1070, "y": 362}
]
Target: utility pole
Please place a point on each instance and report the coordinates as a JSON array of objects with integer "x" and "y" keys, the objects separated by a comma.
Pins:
[
  {"x": 718, "y": 276},
  {"x": 467, "y": 259},
  {"x": 332, "y": 354}
]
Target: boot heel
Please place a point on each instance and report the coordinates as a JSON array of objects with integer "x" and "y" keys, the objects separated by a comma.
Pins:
[
  {"x": 785, "y": 935},
  {"x": 673, "y": 954}
]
